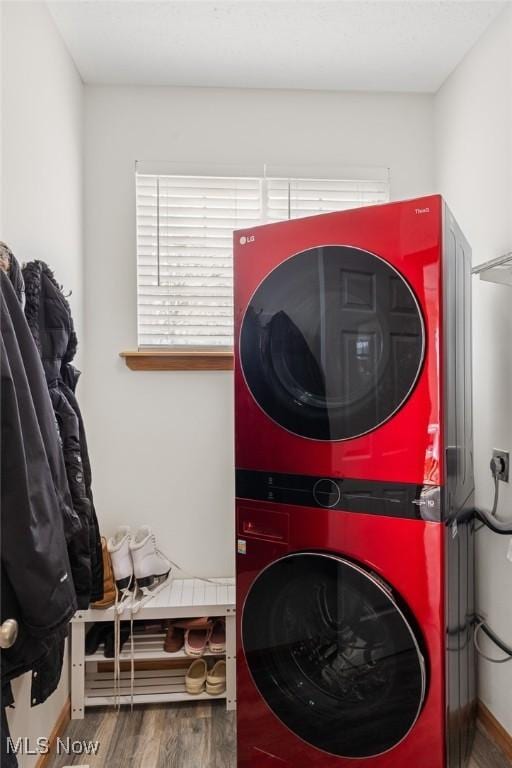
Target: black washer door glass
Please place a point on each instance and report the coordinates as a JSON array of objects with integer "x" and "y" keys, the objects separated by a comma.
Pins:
[
  {"x": 333, "y": 655},
  {"x": 332, "y": 343}
]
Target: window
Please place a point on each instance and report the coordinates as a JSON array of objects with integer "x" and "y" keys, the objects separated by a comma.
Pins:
[{"x": 184, "y": 245}]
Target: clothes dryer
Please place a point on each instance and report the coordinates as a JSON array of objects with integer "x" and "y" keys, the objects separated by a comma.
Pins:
[{"x": 353, "y": 461}]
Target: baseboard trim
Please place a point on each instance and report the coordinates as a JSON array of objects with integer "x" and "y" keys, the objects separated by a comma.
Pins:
[
  {"x": 495, "y": 730},
  {"x": 60, "y": 726}
]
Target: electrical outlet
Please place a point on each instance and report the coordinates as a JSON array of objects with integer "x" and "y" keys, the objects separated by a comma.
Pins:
[{"x": 505, "y": 457}]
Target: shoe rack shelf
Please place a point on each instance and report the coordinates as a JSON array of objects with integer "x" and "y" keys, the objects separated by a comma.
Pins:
[
  {"x": 150, "y": 686},
  {"x": 146, "y": 647},
  {"x": 91, "y": 686}
]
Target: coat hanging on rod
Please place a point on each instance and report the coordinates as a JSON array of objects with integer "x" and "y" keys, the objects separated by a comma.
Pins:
[{"x": 37, "y": 592}]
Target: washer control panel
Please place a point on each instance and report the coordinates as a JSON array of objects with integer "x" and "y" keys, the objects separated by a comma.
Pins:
[{"x": 373, "y": 497}]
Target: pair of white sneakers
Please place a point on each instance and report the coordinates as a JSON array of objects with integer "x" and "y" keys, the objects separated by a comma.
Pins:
[{"x": 136, "y": 560}]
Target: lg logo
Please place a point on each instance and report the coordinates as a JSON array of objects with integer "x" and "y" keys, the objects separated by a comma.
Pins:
[{"x": 249, "y": 239}]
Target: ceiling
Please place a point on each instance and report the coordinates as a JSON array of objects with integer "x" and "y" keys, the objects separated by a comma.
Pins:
[{"x": 314, "y": 44}]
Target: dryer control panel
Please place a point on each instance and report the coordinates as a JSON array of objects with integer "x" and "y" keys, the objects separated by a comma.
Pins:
[{"x": 372, "y": 497}]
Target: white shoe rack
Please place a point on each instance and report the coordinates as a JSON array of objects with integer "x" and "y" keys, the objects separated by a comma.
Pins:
[{"x": 182, "y": 598}]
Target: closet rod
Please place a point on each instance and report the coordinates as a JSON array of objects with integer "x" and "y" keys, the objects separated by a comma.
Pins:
[{"x": 497, "y": 262}]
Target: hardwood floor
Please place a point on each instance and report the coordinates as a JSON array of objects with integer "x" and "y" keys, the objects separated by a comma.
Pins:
[
  {"x": 486, "y": 754},
  {"x": 193, "y": 735}
]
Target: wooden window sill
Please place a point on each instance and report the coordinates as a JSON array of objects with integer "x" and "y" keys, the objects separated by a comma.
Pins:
[{"x": 173, "y": 360}]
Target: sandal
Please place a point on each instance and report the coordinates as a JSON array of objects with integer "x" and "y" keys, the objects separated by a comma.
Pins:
[
  {"x": 216, "y": 679},
  {"x": 196, "y": 641},
  {"x": 195, "y": 678}
]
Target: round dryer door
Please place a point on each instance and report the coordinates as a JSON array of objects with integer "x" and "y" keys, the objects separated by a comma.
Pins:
[
  {"x": 333, "y": 654},
  {"x": 332, "y": 343}
]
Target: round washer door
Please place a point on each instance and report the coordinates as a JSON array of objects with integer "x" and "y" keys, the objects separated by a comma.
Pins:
[
  {"x": 333, "y": 655},
  {"x": 332, "y": 343}
]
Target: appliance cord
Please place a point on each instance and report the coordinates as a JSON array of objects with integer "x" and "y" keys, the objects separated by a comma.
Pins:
[
  {"x": 496, "y": 496},
  {"x": 482, "y": 627},
  {"x": 497, "y": 526},
  {"x": 490, "y": 519}
]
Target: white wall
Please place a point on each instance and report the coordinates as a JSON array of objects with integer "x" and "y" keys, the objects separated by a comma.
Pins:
[
  {"x": 42, "y": 116},
  {"x": 41, "y": 214},
  {"x": 162, "y": 442},
  {"x": 474, "y": 172}
]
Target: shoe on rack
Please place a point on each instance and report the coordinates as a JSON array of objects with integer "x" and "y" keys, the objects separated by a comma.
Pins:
[
  {"x": 195, "y": 679},
  {"x": 196, "y": 641},
  {"x": 124, "y": 634},
  {"x": 217, "y": 639},
  {"x": 150, "y": 566},
  {"x": 119, "y": 549},
  {"x": 216, "y": 679},
  {"x": 96, "y": 636},
  {"x": 174, "y": 639}
]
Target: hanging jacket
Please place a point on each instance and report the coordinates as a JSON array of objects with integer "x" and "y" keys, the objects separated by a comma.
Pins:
[
  {"x": 10, "y": 265},
  {"x": 36, "y": 585},
  {"x": 71, "y": 375},
  {"x": 48, "y": 427},
  {"x": 51, "y": 324}
]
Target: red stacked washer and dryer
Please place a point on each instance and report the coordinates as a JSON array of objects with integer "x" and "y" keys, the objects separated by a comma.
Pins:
[{"x": 353, "y": 460}]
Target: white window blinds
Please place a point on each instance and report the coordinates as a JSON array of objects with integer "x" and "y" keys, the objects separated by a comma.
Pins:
[
  {"x": 184, "y": 256},
  {"x": 293, "y": 198},
  {"x": 184, "y": 244}
]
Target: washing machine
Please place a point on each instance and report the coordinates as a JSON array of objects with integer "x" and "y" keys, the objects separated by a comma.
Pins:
[{"x": 353, "y": 438}]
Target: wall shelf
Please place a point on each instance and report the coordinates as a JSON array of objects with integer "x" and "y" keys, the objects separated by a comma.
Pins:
[
  {"x": 497, "y": 270},
  {"x": 179, "y": 360}
]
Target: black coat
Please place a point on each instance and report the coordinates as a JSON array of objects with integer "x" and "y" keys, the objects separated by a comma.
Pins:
[
  {"x": 36, "y": 512},
  {"x": 50, "y": 321},
  {"x": 10, "y": 265}
]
